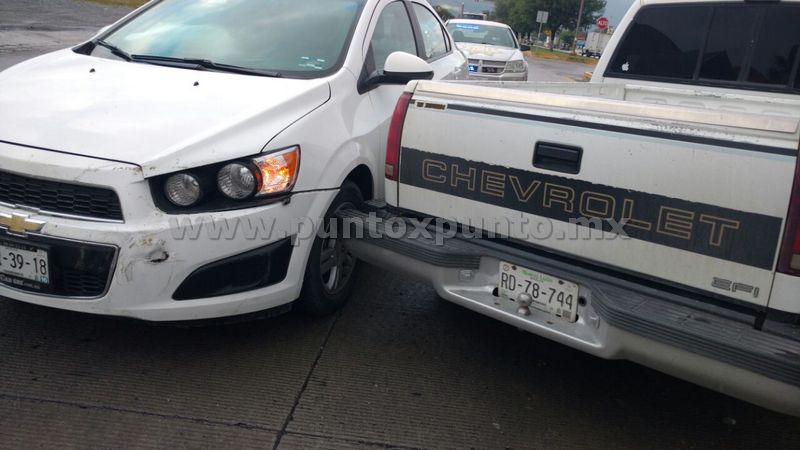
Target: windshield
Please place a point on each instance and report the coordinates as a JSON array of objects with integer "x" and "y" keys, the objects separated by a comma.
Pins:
[
  {"x": 482, "y": 34},
  {"x": 302, "y": 38}
]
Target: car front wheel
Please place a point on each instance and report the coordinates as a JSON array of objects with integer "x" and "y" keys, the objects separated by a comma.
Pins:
[{"x": 331, "y": 270}]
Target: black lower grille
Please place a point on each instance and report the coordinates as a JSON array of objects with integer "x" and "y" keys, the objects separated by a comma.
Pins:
[
  {"x": 82, "y": 284},
  {"x": 57, "y": 197},
  {"x": 255, "y": 269},
  {"x": 77, "y": 269}
]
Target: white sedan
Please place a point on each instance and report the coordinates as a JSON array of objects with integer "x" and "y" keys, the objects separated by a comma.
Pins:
[
  {"x": 178, "y": 165},
  {"x": 492, "y": 48}
]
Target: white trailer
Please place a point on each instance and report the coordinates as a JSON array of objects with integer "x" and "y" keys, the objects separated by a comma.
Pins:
[{"x": 596, "y": 42}]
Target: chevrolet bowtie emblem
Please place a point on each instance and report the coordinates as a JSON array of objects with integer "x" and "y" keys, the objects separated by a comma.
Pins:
[{"x": 20, "y": 223}]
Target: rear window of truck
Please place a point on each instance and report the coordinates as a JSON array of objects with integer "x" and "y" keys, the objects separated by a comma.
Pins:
[{"x": 737, "y": 45}]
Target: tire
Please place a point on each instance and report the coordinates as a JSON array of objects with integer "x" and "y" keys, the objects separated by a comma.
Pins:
[{"x": 331, "y": 271}]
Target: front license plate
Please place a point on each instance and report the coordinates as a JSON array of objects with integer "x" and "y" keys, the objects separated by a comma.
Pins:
[
  {"x": 473, "y": 68},
  {"x": 550, "y": 294},
  {"x": 24, "y": 265}
]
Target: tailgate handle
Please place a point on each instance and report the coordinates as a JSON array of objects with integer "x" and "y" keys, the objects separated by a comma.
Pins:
[{"x": 557, "y": 157}]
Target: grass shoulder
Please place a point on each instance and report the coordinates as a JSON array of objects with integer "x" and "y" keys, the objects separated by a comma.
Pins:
[{"x": 542, "y": 53}]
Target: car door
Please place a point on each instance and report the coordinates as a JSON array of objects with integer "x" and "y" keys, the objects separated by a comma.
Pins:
[
  {"x": 395, "y": 28},
  {"x": 392, "y": 30}
]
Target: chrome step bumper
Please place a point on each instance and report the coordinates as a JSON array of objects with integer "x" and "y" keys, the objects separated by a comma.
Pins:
[{"x": 704, "y": 343}]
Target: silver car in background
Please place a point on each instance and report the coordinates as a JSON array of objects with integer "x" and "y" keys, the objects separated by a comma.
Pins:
[{"x": 492, "y": 48}]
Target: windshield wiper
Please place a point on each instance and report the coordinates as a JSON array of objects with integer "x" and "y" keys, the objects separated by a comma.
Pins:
[
  {"x": 203, "y": 64},
  {"x": 116, "y": 51}
]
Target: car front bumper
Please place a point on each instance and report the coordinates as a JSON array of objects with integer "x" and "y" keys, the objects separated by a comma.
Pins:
[
  {"x": 506, "y": 76},
  {"x": 155, "y": 253},
  {"x": 618, "y": 319}
]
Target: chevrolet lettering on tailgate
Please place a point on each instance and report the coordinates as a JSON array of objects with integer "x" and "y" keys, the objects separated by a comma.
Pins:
[{"x": 696, "y": 227}]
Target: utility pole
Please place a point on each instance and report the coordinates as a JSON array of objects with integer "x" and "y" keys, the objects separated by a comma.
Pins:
[
  {"x": 577, "y": 28},
  {"x": 539, "y": 36}
]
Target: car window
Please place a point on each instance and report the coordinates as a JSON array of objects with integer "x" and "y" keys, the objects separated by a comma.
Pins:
[
  {"x": 663, "y": 42},
  {"x": 482, "y": 34},
  {"x": 307, "y": 39},
  {"x": 432, "y": 32},
  {"x": 730, "y": 45},
  {"x": 727, "y": 43},
  {"x": 776, "y": 50},
  {"x": 393, "y": 33},
  {"x": 797, "y": 80}
]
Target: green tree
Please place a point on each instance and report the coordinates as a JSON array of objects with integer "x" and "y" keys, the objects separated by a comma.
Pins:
[
  {"x": 567, "y": 36},
  {"x": 564, "y": 13},
  {"x": 521, "y": 14}
]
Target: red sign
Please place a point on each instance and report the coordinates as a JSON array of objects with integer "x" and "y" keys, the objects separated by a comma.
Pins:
[{"x": 602, "y": 23}]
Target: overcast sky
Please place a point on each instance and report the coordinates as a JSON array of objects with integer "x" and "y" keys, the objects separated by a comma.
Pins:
[{"x": 614, "y": 10}]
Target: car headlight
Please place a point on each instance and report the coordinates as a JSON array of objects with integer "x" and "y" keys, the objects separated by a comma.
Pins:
[
  {"x": 237, "y": 181},
  {"x": 183, "y": 189},
  {"x": 516, "y": 66},
  {"x": 231, "y": 185}
]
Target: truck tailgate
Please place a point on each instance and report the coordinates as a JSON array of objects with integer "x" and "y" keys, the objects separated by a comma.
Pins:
[{"x": 691, "y": 197}]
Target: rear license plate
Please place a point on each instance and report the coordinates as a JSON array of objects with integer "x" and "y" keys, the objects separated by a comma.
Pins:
[
  {"x": 473, "y": 68},
  {"x": 22, "y": 264},
  {"x": 550, "y": 294}
]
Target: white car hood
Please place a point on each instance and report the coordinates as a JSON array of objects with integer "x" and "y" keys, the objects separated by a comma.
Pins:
[
  {"x": 489, "y": 52},
  {"x": 160, "y": 118}
]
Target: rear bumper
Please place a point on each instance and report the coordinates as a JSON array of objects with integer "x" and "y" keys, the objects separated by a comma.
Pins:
[{"x": 705, "y": 344}]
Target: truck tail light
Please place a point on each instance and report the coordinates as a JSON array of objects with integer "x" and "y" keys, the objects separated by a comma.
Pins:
[
  {"x": 395, "y": 134},
  {"x": 789, "y": 262}
]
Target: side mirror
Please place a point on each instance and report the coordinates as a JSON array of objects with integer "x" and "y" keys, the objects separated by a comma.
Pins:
[
  {"x": 400, "y": 68},
  {"x": 525, "y": 48}
]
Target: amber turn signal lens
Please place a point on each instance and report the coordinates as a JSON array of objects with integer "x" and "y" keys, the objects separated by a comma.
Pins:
[{"x": 278, "y": 171}]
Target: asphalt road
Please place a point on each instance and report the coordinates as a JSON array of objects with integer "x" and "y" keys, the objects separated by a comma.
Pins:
[
  {"x": 31, "y": 27},
  {"x": 556, "y": 71},
  {"x": 397, "y": 368}
]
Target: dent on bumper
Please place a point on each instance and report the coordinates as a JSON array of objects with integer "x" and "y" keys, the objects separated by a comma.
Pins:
[
  {"x": 156, "y": 258},
  {"x": 157, "y": 252},
  {"x": 157, "y": 255}
]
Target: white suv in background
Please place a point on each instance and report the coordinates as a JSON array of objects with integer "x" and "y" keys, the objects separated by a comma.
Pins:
[{"x": 492, "y": 48}]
